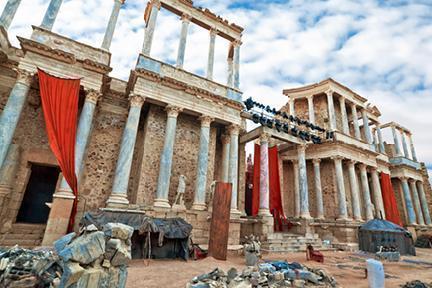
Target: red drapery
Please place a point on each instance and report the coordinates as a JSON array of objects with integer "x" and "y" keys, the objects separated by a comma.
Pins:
[
  {"x": 60, "y": 107},
  {"x": 389, "y": 199}
]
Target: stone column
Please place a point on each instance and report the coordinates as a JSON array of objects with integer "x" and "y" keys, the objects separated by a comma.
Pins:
[
  {"x": 225, "y": 157},
  {"x": 355, "y": 121},
  {"x": 367, "y": 130},
  {"x": 296, "y": 189},
  {"x": 331, "y": 110},
  {"x": 210, "y": 60},
  {"x": 380, "y": 139},
  {"x": 51, "y": 14},
  {"x": 236, "y": 64},
  {"x": 12, "y": 111},
  {"x": 343, "y": 212},
  {"x": 408, "y": 202},
  {"x": 318, "y": 189},
  {"x": 366, "y": 192},
  {"x": 413, "y": 153},
  {"x": 404, "y": 145},
  {"x": 417, "y": 206},
  {"x": 166, "y": 158},
  {"x": 182, "y": 44},
  {"x": 9, "y": 13},
  {"x": 345, "y": 127},
  {"x": 291, "y": 106},
  {"x": 355, "y": 193},
  {"x": 424, "y": 203},
  {"x": 396, "y": 141},
  {"x": 150, "y": 27},
  {"x": 109, "y": 32},
  {"x": 379, "y": 204},
  {"x": 201, "y": 179},
  {"x": 264, "y": 208},
  {"x": 303, "y": 185},
  {"x": 118, "y": 196},
  {"x": 230, "y": 73},
  {"x": 234, "y": 131},
  {"x": 311, "y": 109}
]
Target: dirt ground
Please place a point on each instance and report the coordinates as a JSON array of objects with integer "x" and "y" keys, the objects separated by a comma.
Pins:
[{"x": 346, "y": 267}]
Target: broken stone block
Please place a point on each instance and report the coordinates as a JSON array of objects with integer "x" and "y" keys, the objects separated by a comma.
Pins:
[
  {"x": 85, "y": 249},
  {"x": 298, "y": 283},
  {"x": 61, "y": 243},
  {"x": 91, "y": 228},
  {"x": 117, "y": 252},
  {"x": 122, "y": 277},
  {"x": 106, "y": 263},
  {"x": 72, "y": 272},
  {"x": 90, "y": 278},
  {"x": 118, "y": 230}
]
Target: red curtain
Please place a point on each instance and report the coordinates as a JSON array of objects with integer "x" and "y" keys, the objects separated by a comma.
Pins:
[
  {"x": 389, "y": 199},
  {"x": 256, "y": 180},
  {"x": 60, "y": 107}
]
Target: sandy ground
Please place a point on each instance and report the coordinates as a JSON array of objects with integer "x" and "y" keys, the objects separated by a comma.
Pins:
[{"x": 346, "y": 267}]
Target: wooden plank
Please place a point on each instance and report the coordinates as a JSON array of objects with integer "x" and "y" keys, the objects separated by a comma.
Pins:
[{"x": 219, "y": 227}]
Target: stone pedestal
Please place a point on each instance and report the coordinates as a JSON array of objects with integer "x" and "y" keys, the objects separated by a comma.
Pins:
[{"x": 58, "y": 219}]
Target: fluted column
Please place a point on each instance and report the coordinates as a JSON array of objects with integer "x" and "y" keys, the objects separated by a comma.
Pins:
[
  {"x": 225, "y": 157},
  {"x": 82, "y": 138},
  {"x": 404, "y": 145},
  {"x": 236, "y": 64},
  {"x": 380, "y": 139},
  {"x": 311, "y": 109},
  {"x": 182, "y": 44},
  {"x": 417, "y": 206},
  {"x": 12, "y": 111},
  {"x": 150, "y": 26},
  {"x": 230, "y": 80},
  {"x": 355, "y": 121},
  {"x": 318, "y": 188},
  {"x": 379, "y": 204},
  {"x": 296, "y": 188},
  {"x": 201, "y": 180},
  {"x": 51, "y": 14},
  {"x": 109, "y": 32},
  {"x": 234, "y": 131},
  {"x": 408, "y": 201},
  {"x": 118, "y": 196},
  {"x": 367, "y": 130},
  {"x": 9, "y": 13},
  {"x": 343, "y": 212},
  {"x": 331, "y": 110},
  {"x": 164, "y": 178},
  {"x": 413, "y": 153},
  {"x": 291, "y": 106},
  {"x": 345, "y": 127},
  {"x": 303, "y": 185},
  {"x": 211, "y": 52},
  {"x": 366, "y": 192},
  {"x": 396, "y": 142},
  {"x": 355, "y": 193},
  {"x": 264, "y": 208},
  {"x": 424, "y": 203}
]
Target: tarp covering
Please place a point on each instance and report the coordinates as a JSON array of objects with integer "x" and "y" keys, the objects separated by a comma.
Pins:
[
  {"x": 389, "y": 199},
  {"x": 378, "y": 232}
]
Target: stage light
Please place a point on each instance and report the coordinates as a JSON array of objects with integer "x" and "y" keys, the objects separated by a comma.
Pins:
[
  {"x": 270, "y": 123},
  {"x": 263, "y": 120},
  {"x": 285, "y": 128},
  {"x": 278, "y": 125},
  {"x": 255, "y": 118},
  {"x": 249, "y": 103}
]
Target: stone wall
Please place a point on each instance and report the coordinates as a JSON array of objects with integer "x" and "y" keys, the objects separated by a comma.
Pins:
[
  {"x": 287, "y": 189},
  {"x": 397, "y": 188}
]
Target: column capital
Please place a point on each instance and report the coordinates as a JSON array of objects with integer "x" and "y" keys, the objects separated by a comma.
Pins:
[
  {"x": 404, "y": 178},
  {"x": 205, "y": 120},
  {"x": 136, "y": 100},
  {"x": 156, "y": 3},
  {"x": 121, "y": 1},
  {"x": 362, "y": 166},
  {"x": 411, "y": 180},
  {"x": 225, "y": 139},
  {"x": 294, "y": 161},
  {"x": 237, "y": 43},
  {"x": 373, "y": 169},
  {"x": 352, "y": 162},
  {"x": 213, "y": 31},
  {"x": 337, "y": 158},
  {"x": 329, "y": 92},
  {"x": 92, "y": 96},
  {"x": 23, "y": 76},
  {"x": 302, "y": 147},
  {"x": 234, "y": 129},
  {"x": 310, "y": 97},
  {"x": 186, "y": 17},
  {"x": 342, "y": 99},
  {"x": 316, "y": 161},
  {"x": 264, "y": 137},
  {"x": 173, "y": 111}
]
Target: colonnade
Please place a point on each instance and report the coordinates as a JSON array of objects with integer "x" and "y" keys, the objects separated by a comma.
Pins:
[
  {"x": 415, "y": 202},
  {"x": 404, "y": 151}
]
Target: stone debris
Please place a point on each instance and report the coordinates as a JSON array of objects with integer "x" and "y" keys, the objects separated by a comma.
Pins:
[
  {"x": 416, "y": 284},
  {"x": 252, "y": 250},
  {"x": 270, "y": 274}
]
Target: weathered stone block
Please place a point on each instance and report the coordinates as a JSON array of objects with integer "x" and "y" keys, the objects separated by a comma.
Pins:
[
  {"x": 72, "y": 272},
  {"x": 61, "y": 243},
  {"x": 117, "y": 252},
  {"x": 90, "y": 278},
  {"x": 118, "y": 230},
  {"x": 85, "y": 249}
]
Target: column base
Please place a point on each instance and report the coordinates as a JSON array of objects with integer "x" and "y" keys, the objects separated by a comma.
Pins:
[
  {"x": 58, "y": 220},
  {"x": 162, "y": 203},
  {"x": 264, "y": 212},
  {"x": 64, "y": 193},
  {"x": 235, "y": 211},
  {"x": 199, "y": 206},
  {"x": 343, "y": 218},
  {"x": 117, "y": 201},
  {"x": 320, "y": 217},
  {"x": 305, "y": 215}
]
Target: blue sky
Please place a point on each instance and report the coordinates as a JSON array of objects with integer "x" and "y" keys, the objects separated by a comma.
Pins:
[{"x": 380, "y": 49}]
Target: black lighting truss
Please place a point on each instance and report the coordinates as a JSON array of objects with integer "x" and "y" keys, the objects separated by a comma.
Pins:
[{"x": 266, "y": 116}]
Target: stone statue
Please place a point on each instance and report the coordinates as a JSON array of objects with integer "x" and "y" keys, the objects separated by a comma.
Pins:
[{"x": 180, "y": 191}]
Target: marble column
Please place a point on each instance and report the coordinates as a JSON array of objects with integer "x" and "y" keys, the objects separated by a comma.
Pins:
[
  {"x": 12, "y": 111},
  {"x": 355, "y": 121},
  {"x": 201, "y": 179},
  {"x": 375, "y": 140},
  {"x": 355, "y": 193},
  {"x": 264, "y": 208},
  {"x": 9, "y": 13},
  {"x": 366, "y": 192},
  {"x": 118, "y": 196},
  {"x": 182, "y": 44},
  {"x": 109, "y": 32},
  {"x": 82, "y": 138},
  {"x": 331, "y": 110},
  {"x": 234, "y": 131},
  {"x": 345, "y": 127},
  {"x": 379, "y": 204},
  {"x": 225, "y": 157},
  {"x": 211, "y": 52},
  {"x": 417, "y": 206},
  {"x": 236, "y": 64},
  {"x": 404, "y": 145},
  {"x": 396, "y": 142},
  {"x": 380, "y": 139},
  {"x": 424, "y": 203},
  {"x": 318, "y": 188},
  {"x": 340, "y": 184},
  {"x": 150, "y": 27},
  {"x": 413, "y": 153},
  {"x": 230, "y": 79},
  {"x": 367, "y": 130},
  {"x": 296, "y": 189},
  {"x": 303, "y": 184},
  {"x": 291, "y": 106},
  {"x": 166, "y": 158},
  {"x": 51, "y": 14},
  {"x": 311, "y": 109},
  {"x": 408, "y": 202}
]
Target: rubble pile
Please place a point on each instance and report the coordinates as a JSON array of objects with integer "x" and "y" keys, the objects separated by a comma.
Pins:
[
  {"x": 95, "y": 258},
  {"x": 270, "y": 274},
  {"x": 416, "y": 284}
]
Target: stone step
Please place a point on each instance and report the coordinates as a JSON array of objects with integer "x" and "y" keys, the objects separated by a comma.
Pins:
[
  {"x": 20, "y": 236},
  {"x": 22, "y": 243},
  {"x": 23, "y": 228}
]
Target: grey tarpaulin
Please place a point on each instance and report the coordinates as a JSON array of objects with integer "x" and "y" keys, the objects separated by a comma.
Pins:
[
  {"x": 169, "y": 237},
  {"x": 378, "y": 232}
]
